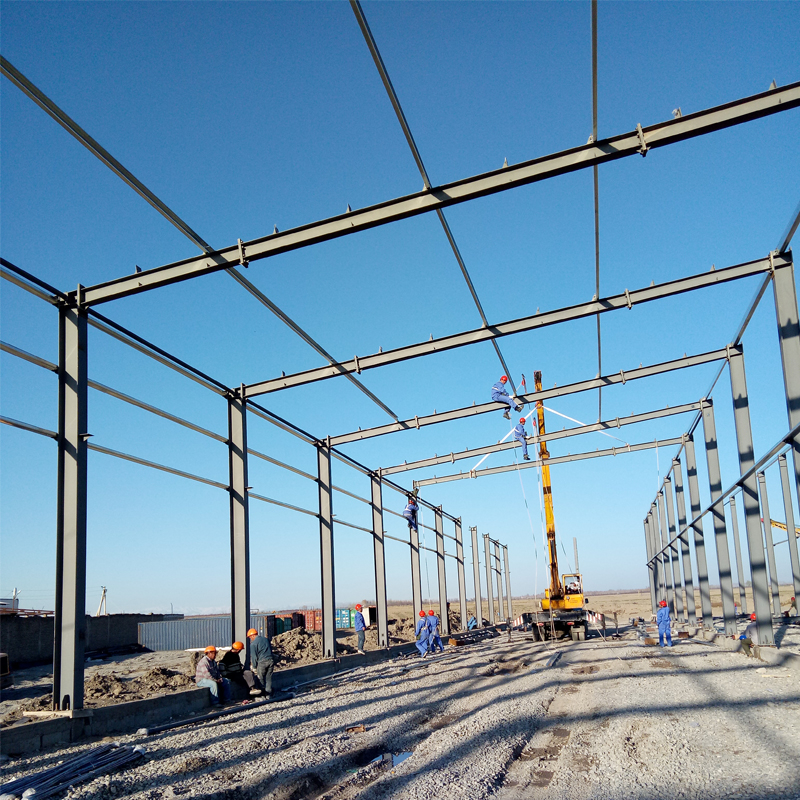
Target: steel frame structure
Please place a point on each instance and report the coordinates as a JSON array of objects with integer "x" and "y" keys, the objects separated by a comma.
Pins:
[{"x": 77, "y": 311}]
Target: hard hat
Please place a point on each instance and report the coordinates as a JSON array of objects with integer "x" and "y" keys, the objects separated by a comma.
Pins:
[
  {"x": 662, "y": 603},
  {"x": 237, "y": 646},
  {"x": 252, "y": 632},
  {"x": 753, "y": 616},
  {"x": 358, "y": 606},
  {"x": 503, "y": 378},
  {"x": 430, "y": 613},
  {"x": 522, "y": 421},
  {"x": 422, "y": 613},
  {"x": 211, "y": 649}
]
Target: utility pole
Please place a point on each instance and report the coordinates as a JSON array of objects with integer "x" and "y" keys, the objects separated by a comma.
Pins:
[{"x": 102, "y": 609}]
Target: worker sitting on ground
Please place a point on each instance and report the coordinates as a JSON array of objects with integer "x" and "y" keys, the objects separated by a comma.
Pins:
[
  {"x": 749, "y": 638},
  {"x": 519, "y": 435},
  {"x": 421, "y": 632},
  {"x": 261, "y": 661},
  {"x": 433, "y": 632},
  {"x": 472, "y": 623},
  {"x": 410, "y": 512},
  {"x": 663, "y": 620},
  {"x": 232, "y": 668},
  {"x": 361, "y": 628},
  {"x": 208, "y": 676},
  {"x": 499, "y": 395}
]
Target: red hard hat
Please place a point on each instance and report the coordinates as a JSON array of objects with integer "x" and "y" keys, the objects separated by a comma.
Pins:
[
  {"x": 430, "y": 613},
  {"x": 358, "y": 606},
  {"x": 753, "y": 616},
  {"x": 503, "y": 378},
  {"x": 422, "y": 613},
  {"x": 662, "y": 603},
  {"x": 522, "y": 421}
]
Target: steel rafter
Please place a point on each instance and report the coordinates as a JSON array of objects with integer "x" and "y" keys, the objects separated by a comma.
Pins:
[
  {"x": 620, "y": 377},
  {"x": 627, "y": 299},
  {"x": 634, "y": 142}
]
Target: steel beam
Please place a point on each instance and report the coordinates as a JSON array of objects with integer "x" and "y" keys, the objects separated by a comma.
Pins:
[
  {"x": 380, "y": 560},
  {"x": 614, "y": 451},
  {"x": 737, "y": 549},
  {"x": 239, "y": 520},
  {"x": 769, "y": 546},
  {"x": 699, "y": 537},
  {"x": 462, "y": 581},
  {"x": 507, "y": 570},
  {"x": 620, "y": 377},
  {"x": 628, "y": 144},
  {"x": 676, "y": 564},
  {"x": 616, "y": 302},
  {"x": 416, "y": 575},
  {"x": 70, "y": 611},
  {"x": 489, "y": 582},
  {"x": 669, "y": 577},
  {"x": 680, "y": 501},
  {"x": 443, "y": 615},
  {"x": 476, "y": 576},
  {"x": 788, "y": 510},
  {"x": 563, "y": 434},
  {"x": 752, "y": 514},
  {"x": 328, "y": 587}
]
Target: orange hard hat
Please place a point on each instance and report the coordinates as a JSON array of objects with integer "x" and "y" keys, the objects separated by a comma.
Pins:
[
  {"x": 358, "y": 606},
  {"x": 252, "y": 632},
  {"x": 753, "y": 616},
  {"x": 210, "y": 649},
  {"x": 430, "y": 613},
  {"x": 422, "y": 613},
  {"x": 237, "y": 646}
]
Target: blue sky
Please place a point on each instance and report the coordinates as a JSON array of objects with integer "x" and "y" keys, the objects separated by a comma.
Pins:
[{"x": 242, "y": 116}]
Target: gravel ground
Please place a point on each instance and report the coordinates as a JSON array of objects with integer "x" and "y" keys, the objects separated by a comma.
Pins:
[{"x": 609, "y": 719}]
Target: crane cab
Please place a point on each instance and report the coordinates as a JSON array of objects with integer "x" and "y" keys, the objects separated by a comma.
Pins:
[{"x": 572, "y": 597}]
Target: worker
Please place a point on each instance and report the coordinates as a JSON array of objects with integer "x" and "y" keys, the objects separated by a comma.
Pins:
[
  {"x": 519, "y": 435},
  {"x": 232, "y": 668},
  {"x": 433, "y": 632},
  {"x": 261, "y": 660},
  {"x": 499, "y": 395},
  {"x": 422, "y": 634},
  {"x": 750, "y": 636},
  {"x": 792, "y": 610},
  {"x": 208, "y": 676},
  {"x": 360, "y": 628},
  {"x": 472, "y": 623},
  {"x": 410, "y": 512},
  {"x": 663, "y": 620}
]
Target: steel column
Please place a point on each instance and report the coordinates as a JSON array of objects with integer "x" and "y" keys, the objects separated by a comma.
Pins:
[
  {"x": 680, "y": 501},
  {"x": 416, "y": 577},
  {"x": 509, "y": 602},
  {"x": 462, "y": 582},
  {"x": 489, "y": 582},
  {"x": 752, "y": 512},
  {"x": 790, "y": 527},
  {"x": 499, "y": 577},
  {"x": 70, "y": 611},
  {"x": 239, "y": 521},
  {"x": 651, "y": 567},
  {"x": 658, "y": 564},
  {"x": 669, "y": 578},
  {"x": 737, "y": 548},
  {"x": 699, "y": 537},
  {"x": 380, "y": 559},
  {"x": 444, "y": 617},
  {"x": 676, "y": 564},
  {"x": 770, "y": 547},
  {"x": 326, "y": 552},
  {"x": 476, "y": 575}
]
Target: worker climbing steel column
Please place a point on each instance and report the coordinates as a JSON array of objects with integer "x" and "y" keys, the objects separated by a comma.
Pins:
[
  {"x": 519, "y": 435},
  {"x": 499, "y": 395},
  {"x": 410, "y": 511},
  {"x": 421, "y": 633},
  {"x": 433, "y": 632}
]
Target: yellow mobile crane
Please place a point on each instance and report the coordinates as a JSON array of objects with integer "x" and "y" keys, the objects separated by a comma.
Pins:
[{"x": 782, "y": 526}]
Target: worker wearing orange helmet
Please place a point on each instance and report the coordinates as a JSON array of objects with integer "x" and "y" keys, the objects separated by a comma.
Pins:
[
  {"x": 208, "y": 676},
  {"x": 520, "y": 436},
  {"x": 499, "y": 395},
  {"x": 232, "y": 668},
  {"x": 361, "y": 628},
  {"x": 749, "y": 638},
  {"x": 261, "y": 660},
  {"x": 664, "y": 624},
  {"x": 423, "y": 634}
]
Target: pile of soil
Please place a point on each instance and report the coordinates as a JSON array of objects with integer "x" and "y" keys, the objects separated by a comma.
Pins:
[
  {"x": 103, "y": 686},
  {"x": 298, "y": 646},
  {"x": 159, "y": 679},
  {"x": 401, "y": 630}
]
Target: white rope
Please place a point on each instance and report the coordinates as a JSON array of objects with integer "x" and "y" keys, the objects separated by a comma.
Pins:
[{"x": 572, "y": 419}]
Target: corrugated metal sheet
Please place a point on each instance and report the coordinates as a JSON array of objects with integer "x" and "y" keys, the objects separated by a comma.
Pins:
[{"x": 183, "y": 634}]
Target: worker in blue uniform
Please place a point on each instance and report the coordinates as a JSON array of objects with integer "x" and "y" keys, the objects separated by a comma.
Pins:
[
  {"x": 519, "y": 435},
  {"x": 422, "y": 635},
  {"x": 663, "y": 620},
  {"x": 499, "y": 395},
  {"x": 361, "y": 628},
  {"x": 433, "y": 632},
  {"x": 410, "y": 512}
]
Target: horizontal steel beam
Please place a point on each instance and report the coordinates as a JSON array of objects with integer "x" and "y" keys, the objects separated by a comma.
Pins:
[
  {"x": 628, "y": 144},
  {"x": 614, "y": 451},
  {"x": 625, "y": 300},
  {"x": 573, "y": 388},
  {"x": 497, "y": 448}
]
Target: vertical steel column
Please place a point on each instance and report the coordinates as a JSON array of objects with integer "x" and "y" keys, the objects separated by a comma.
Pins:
[
  {"x": 326, "y": 551},
  {"x": 658, "y": 563},
  {"x": 718, "y": 516},
  {"x": 509, "y": 603},
  {"x": 462, "y": 581},
  {"x": 444, "y": 617},
  {"x": 770, "y": 547},
  {"x": 752, "y": 513},
  {"x": 476, "y": 575},
  {"x": 240, "y": 520},
  {"x": 70, "y": 613},
  {"x": 676, "y": 564},
  {"x": 651, "y": 564},
  {"x": 790, "y": 529},
  {"x": 499, "y": 576},
  {"x": 416, "y": 578},
  {"x": 489, "y": 582},
  {"x": 699, "y": 537},
  {"x": 737, "y": 548},
  {"x": 669, "y": 578},
  {"x": 380, "y": 558},
  {"x": 680, "y": 501}
]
